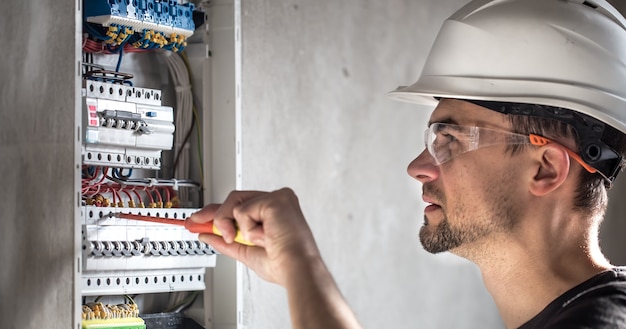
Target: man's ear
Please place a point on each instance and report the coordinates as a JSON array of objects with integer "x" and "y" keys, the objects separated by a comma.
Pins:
[{"x": 553, "y": 165}]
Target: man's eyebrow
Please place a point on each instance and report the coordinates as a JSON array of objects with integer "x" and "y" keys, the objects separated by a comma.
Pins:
[{"x": 448, "y": 120}]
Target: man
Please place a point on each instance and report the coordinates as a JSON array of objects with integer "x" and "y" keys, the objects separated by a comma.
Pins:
[{"x": 527, "y": 135}]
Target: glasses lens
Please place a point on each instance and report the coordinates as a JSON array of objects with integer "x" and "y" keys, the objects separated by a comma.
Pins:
[
  {"x": 446, "y": 141},
  {"x": 442, "y": 141}
]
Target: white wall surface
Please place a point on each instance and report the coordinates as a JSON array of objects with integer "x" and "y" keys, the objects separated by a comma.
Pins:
[
  {"x": 38, "y": 241},
  {"x": 316, "y": 119}
]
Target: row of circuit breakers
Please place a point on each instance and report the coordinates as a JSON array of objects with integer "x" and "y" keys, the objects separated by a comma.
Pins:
[{"x": 127, "y": 128}]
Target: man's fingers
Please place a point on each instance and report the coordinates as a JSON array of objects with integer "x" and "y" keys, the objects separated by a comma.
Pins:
[
  {"x": 217, "y": 242},
  {"x": 249, "y": 255},
  {"x": 247, "y": 223},
  {"x": 225, "y": 218},
  {"x": 206, "y": 214},
  {"x": 256, "y": 235}
]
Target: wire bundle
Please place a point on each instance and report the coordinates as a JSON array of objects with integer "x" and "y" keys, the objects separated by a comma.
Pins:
[
  {"x": 92, "y": 311},
  {"x": 117, "y": 38},
  {"x": 119, "y": 316},
  {"x": 99, "y": 47},
  {"x": 184, "y": 115},
  {"x": 98, "y": 183}
]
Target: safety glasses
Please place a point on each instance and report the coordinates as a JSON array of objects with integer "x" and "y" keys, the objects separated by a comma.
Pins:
[{"x": 446, "y": 141}]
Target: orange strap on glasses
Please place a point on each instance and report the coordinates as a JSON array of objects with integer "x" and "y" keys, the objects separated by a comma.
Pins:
[{"x": 540, "y": 141}]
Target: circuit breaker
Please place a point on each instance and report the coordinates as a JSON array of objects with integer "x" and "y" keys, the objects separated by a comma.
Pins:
[{"x": 125, "y": 126}]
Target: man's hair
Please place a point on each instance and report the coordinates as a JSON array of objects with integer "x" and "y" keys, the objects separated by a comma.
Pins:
[{"x": 591, "y": 194}]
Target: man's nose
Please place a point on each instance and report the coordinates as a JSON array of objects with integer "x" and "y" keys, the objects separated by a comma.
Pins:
[{"x": 423, "y": 168}]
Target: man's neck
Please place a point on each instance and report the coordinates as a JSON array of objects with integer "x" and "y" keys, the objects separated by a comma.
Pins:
[{"x": 524, "y": 274}]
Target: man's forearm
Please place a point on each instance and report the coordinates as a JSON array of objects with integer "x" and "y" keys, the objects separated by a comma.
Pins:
[{"x": 314, "y": 299}]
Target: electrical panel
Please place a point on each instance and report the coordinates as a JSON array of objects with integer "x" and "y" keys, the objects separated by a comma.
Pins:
[{"x": 136, "y": 157}]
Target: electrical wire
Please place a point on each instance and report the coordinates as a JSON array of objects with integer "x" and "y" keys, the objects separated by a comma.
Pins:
[
  {"x": 156, "y": 182},
  {"x": 179, "y": 302},
  {"x": 117, "y": 37},
  {"x": 196, "y": 118},
  {"x": 119, "y": 60},
  {"x": 98, "y": 47},
  {"x": 183, "y": 117},
  {"x": 145, "y": 190},
  {"x": 180, "y": 150},
  {"x": 98, "y": 183}
]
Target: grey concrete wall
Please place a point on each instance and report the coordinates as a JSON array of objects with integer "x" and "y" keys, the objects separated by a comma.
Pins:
[
  {"x": 316, "y": 118},
  {"x": 37, "y": 154},
  {"x": 613, "y": 228}
]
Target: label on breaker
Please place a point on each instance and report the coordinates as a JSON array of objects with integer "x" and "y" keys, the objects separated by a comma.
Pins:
[
  {"x": 92, "y": 136},
  {"x": 92, "y": 113}
]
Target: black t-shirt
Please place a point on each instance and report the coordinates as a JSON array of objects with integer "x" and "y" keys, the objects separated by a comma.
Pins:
[{"x": 599, "y": 302}]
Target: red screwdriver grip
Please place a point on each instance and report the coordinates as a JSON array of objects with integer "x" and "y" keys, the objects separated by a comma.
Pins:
[{"x": 194, "y": 227}]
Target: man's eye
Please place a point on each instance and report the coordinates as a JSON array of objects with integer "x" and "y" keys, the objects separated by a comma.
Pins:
[
  {"x": 449, "y": 137},
  {"x": 444, "y": 138}
]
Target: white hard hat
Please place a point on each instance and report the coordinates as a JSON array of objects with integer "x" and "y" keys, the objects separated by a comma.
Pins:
[{"x": 563, "y": 53}]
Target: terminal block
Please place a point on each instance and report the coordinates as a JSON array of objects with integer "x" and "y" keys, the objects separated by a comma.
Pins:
[
  {"x": 98, "y": 283},
  {"x": 111, "y": 243},
  {"x": 125, "y": 126},
  {"x": 127, "y": 256},
  {"x": 166, "y": 16}
]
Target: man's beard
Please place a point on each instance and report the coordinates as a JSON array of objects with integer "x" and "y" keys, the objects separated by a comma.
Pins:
[
  {"x": 446, "y": 237},
  {"x": 442, "y": 238}
]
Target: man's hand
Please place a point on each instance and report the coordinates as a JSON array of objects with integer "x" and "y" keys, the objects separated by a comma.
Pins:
[
  {"x": 273, "y": 221},
  {"x": 284, "y": 253}
]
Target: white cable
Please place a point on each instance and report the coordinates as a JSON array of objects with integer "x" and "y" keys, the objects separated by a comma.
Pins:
[{"x": 184, "y": 115}]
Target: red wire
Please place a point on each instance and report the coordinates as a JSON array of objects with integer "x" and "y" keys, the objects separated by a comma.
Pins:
[
  {"x": 95, "y": 184},
  {"x": 167, "y": 193},
  {"x": 91, "y": 188},
  {"x": 92, "y": 46},
  {"x": 105, "y": 171},
  {"x": 172, "y": 192},
  {"x": 127, "y": 194},
  {"x": 113, "y": 193},
  {"x": 137, "y": 194},
  {"x": 88, "y": 186},
  {"x": 148, "y": 194},
  {"x": 156, "y": 191}
]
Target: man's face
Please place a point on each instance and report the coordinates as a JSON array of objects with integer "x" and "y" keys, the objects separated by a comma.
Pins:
[{"x": 472, "y": 197}]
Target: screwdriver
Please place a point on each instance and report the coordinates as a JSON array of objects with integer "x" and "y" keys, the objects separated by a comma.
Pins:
[{"x": 193, "y": 227}]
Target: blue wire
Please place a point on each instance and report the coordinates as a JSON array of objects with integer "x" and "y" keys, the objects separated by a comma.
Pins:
[
  {"x": 94, "y": 31},
  {"x": 90, "y": 170},
  {"x": 119, "y": 60}
]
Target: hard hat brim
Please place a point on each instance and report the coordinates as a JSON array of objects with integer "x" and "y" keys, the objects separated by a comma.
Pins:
[{"x": 428, "y": 89}]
